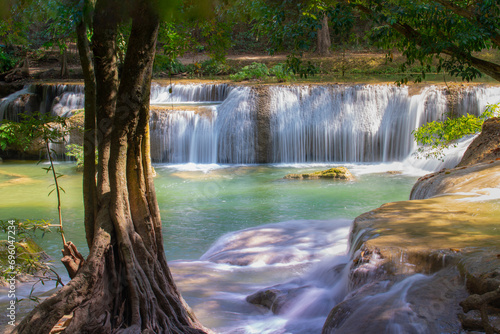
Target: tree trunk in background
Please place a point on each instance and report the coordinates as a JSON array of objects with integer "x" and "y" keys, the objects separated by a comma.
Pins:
[
  {"x": 64, "y": 64},
  {"x": 324, "y": 41},
  {"x": 125, "y": 285}
]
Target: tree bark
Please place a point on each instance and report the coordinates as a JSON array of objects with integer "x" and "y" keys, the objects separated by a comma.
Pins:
[
  {"x": 324, "y": 41},
  {"x": 89, "y": 134},
  {"x": 64, "y": 64},
  {"x": 125, "y": 285}
]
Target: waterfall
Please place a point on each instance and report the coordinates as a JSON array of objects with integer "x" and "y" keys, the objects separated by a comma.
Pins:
[
  {"x": 188, "y": 93},
  {"x": 60, "y": 100},
  {"x": 63, "y": 100},
  {"x": 182, "y": 136},
  {"x": 362, "y": 123},
  {"x": 222, "y": 133},
  {"x": 11, "y": 106},
  {"x": 221, "y": 123}
]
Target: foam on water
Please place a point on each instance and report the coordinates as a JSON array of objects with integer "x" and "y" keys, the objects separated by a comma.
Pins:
[{"x": 296, "y": 256}]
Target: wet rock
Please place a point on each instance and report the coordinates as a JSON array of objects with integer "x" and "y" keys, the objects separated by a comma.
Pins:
[
  {"x": 279, "y": 298},
  {"x": 486, "y": 146},
  {"x": 470, "y": 179},
  {"x": 416, "y": 304},
  {"x": 340, "y": 173},
  {"x": 9, "y": 88},
  {"x": 263, "y": 123},
  {"x": 30, "y": 259},
  {"x": 450, "y": 231}
]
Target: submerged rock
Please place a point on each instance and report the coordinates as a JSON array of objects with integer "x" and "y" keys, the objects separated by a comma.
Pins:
[
  {"x": 30, "y": 259},
  {"x": 340, "y": 173},
  {"x": 278, "y": 298}
]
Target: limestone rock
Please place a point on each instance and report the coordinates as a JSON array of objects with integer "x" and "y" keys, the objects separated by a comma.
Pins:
[
  {"x": 279, "y": 298},
  {"x": 449, "y": 230},
  {"x": 428, "y": 303},
  {"x": 9, "y": 88},
  {"x": 486, "y": 146},
  {"x": 458, "y": 180},
  {"x": 340, "y": 173}
]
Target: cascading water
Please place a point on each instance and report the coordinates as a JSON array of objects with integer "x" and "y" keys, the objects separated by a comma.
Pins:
[
  {"x": 307, "y": 124},
  {"x": 188, "y": 93},
  {"x": 60, "y": 100},
  {"x": 181, "y": 136},
  {"x": 223, "y": 133},
  {"x": 361, "y": 123},
  {"x": 68, "y": 98},
  {"x": 10, "y": 106}
]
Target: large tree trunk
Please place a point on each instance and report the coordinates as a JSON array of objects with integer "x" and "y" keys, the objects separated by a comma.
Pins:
[
  {"x": 89, "y": 134},
  {"x": 125, "y": 285},
  {"x": 324, "y": 41}
]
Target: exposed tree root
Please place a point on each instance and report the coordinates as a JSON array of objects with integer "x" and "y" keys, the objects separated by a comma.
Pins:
[{"x": 482, "y": 304}]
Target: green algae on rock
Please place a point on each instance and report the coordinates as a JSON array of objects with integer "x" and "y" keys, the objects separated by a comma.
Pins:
[{"x": 340, "y": 173}]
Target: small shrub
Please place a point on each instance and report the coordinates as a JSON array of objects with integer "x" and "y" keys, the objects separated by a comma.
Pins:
[
  {"x": 281, "y": 72},
  {"x": 7, "y": 61},
  {"x": 296, "y": 65},
  {"x": 213, "y": 67},
  {"x": 76, "y": 151},
  {"x": 163, "y": 63},
  {"x": 436, "y": 136},
  {"x": 252, "y": 71}
]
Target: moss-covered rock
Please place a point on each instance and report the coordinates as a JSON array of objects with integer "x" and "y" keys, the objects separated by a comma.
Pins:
[{"x": 340, "y": 173}]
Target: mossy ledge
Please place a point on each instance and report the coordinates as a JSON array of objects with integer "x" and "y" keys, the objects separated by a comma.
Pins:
[{"x": 340, "y": 173}]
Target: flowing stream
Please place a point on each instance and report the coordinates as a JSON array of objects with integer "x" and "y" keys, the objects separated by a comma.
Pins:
[{"x": 230, "y": 231}]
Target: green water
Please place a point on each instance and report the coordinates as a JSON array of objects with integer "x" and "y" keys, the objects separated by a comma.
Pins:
[{"x": 197, "y": 207}]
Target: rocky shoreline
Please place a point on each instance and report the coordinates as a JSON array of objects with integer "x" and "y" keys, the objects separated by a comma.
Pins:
[{"x": 441, "y": 249}]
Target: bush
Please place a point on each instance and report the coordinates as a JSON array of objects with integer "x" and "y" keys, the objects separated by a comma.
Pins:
[
  {"x": 7, "y": 61},
  {"x": 281, "y": 72},
  {"x": 296, "y": 65},
  {"x": 210, "y": 67},
  {"x": 252, "y": 71},
  {"x": 76, "y": 151},
  {"x": 163, "y": 63},
  {"x": 436, "y": 136}
]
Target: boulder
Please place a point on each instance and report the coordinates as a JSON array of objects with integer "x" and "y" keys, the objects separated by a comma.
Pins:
[
  {"x": 450, "y": 231},
  {"x": 486, "y": 146},
  {"x": 416, "y": 304},
  {"x": 472, "y": 179},
  {"x": 9, "y": 88},
  {"x": 340, "y": 173},
  {"x": 278, "y": 298}
]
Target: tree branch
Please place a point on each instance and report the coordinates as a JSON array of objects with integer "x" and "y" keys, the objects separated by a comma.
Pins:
[
  {"x": 488, "y": 68},
  {"x": 471, "y": 16}
]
